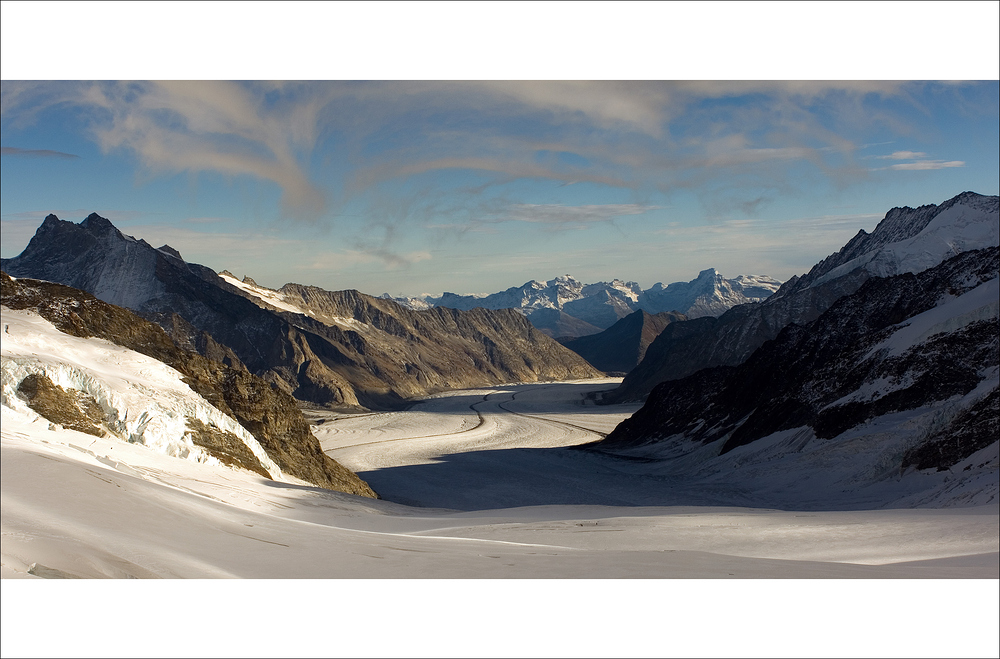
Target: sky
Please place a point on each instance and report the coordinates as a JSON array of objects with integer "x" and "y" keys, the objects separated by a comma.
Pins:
[{"x": 472, "y": 148}]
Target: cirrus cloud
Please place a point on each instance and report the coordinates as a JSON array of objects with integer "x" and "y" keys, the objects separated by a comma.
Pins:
[
  {"x": 928, "y": 164},
  {"x": 36, "y": 153}
]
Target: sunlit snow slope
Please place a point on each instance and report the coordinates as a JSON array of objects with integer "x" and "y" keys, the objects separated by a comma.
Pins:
[{"x": 144, "y": 400}]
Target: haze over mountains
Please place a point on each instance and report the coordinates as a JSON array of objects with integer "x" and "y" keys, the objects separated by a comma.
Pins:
[
  {"x": 565, "y": 307},
  {"x": 621, "y": 347}
]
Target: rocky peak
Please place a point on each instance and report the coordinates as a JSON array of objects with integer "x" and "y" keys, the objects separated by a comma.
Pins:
[
  {"x": 50, "y": 221},
  {"x": 706, "y": 275},
  {"x": 973, "y": 200},
  {"x": 98, "y": 225},
  {"x": 167, "y": 249}
]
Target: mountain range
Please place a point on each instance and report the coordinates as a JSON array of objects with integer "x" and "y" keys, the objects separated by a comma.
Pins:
[
  {"x": 899, "y": 372},
  {"x": 903, "y": 373},
  {"x": 906, "y": 240},
  {"x": 340, "y": 349},
  {"x": 566, "y": 308}
]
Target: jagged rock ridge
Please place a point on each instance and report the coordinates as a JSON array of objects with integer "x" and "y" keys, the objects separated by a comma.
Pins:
[
  {"x": 895, "y": 353},
  {"x": 330, "y": 348},
  {"x": 907, "y": 240}
]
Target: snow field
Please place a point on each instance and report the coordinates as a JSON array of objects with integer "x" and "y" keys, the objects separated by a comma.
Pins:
[
  {"x": 112, "y": 509},
  {"x": 146, "y": 400},
  {"x": 78, "y": 506}
]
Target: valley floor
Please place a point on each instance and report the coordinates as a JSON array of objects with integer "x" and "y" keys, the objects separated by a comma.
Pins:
[{"x": 475, "y": 484}]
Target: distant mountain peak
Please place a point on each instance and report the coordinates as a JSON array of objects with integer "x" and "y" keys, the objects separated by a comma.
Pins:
[{"x": 570, "y": 305}]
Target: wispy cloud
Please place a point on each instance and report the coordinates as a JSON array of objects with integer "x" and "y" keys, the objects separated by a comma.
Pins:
[
  {"x": 35, "y": 153},
  {"x": 903, "y": 155},
  {"x": 920, "y": 161},
  {"x": 215, "y": 127},
  {"x": 928, "y": 164},
  {"x": 372, "y": 136},
  {"x": 567, "y": 217},
  {"x": 340, "y": 260},
  {"x": 174, "y": 126}
]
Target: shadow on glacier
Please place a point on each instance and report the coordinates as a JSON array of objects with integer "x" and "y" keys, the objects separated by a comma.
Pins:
[
  {"x": 572, "y": 399},
  {"x": 511, "y": 478}
]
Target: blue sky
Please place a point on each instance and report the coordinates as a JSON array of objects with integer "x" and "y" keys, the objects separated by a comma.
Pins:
[{"x": 409, "y": 176}]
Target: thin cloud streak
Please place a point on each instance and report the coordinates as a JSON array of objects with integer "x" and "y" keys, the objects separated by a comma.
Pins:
[
  {"x": 903, "y": 155},
  {"x": 577, "y": 216},
  {"x": 36, "y": 153},
  {"x": 928, "y": 164}
]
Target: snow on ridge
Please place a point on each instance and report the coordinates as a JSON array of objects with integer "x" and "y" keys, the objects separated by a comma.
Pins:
[
  {"x": 959, "y": 228},
  {"x": 280, "y": 301},
  {"x": 271, "y": 297},
  {"x": 951, "y": 314},
  {"x": 146, "y": 401}
]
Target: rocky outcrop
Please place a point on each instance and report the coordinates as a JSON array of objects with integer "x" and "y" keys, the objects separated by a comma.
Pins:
[
  {"x": 902, "y": 343},
  {"x": 72, "y": 409},
  {"x": 337, "y": 349},
  {"x": 907, "y": 240},
  {"x": 269, "y": 414},
  {"x": 622, "y": 346},
  {"x": 225, "y": 446}
]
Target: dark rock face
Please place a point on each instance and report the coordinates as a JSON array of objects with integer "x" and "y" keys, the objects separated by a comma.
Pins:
[
  {"x": 384, "y": 355},
  {"x": 269, "y": 414},
  {"x": 559, "y": 324},
  {"x": 623, "y": 345},
  {"x": 685, "y": 348},
  {"x": 972, "y": 429},
  {"x": 71, "y": 409},
  {"x": 837, "y": 373}
]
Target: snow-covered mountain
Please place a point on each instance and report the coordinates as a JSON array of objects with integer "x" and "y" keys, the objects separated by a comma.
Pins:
[
  {"x": 98, "y": 368},
  {"x": 333, "y": 348},
  {"x": 901, "y": 374},
  {"x": 907, "y": 240},
  {"x": 601, "y": 305},
  {"x": 710, "y": 294}
]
